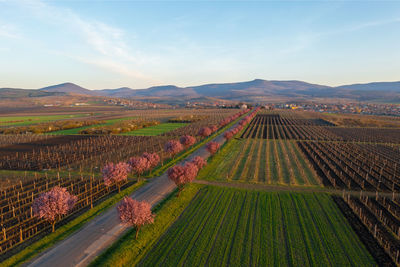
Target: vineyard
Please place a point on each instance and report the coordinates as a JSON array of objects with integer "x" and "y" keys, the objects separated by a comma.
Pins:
[
  {"x": 224, "y": 227},
  {"x": 17, "y": 219}
]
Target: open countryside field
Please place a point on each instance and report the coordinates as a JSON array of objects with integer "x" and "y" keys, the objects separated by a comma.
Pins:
[
  {"x": 260, "y": 161},
  {"x": 156, "y": 129},
  {"x": 228, "y": 227},
  {"x": 28, "y": 120}
]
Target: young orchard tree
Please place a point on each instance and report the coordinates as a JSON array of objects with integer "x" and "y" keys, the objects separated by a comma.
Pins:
[
  {"x": 135, "y": 213},
  {"x": 228, "y": 135},
  {"x": 51, "y": 205},
  {"x": 153, "y": 158},
  {"x": 182, "y": 175},
  {"x": 188, "y": 140},
  {"x": 177, "y": 175},
  {"x": 204, "y": 132},
  {"x": 139, "y": 165},
  {"x": 173, "y": 147},
  {"x": 199, "y": 162},
  {"x": 213, "y": 128},
  {"x": 212, "y": 147},
  {"x": 191, "y": 171},
  {"x": 115, "y": 174}
]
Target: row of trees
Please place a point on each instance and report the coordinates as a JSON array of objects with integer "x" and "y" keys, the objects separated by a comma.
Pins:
[{"x": 58, "y": 201}]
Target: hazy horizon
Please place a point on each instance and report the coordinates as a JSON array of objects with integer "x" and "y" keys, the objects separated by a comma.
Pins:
[{"x": 113, "y": 44}]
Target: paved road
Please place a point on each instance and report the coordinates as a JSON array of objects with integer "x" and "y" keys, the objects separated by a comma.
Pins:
[{"x": 82, "y": 247}]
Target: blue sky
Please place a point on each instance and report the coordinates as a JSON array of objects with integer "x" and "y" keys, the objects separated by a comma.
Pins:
[{"x": 110, "y": 44}]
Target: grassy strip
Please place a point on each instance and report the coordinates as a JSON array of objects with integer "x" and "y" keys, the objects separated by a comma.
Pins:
[
  {"x": 128, "y": 251},
  {"x": 226, "y": 227},
  {"x": 67, "y": 229},
  {"x": 156, "y": 129},
  {"x": 28, "y": 120}
]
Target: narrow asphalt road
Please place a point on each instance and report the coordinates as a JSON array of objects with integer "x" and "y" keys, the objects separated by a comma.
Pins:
[{"x": 91, "y": 240}]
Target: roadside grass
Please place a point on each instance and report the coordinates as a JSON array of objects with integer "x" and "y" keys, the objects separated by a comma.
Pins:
[
  {"x": 76, "y": 130},
  {"x": 156, "y": 129},
  {"x": 28, "y": 120},
  {"x": 236, "y": 227},
  {"x": 128, "y": 251},
  {"x": 67, "y": 229}
]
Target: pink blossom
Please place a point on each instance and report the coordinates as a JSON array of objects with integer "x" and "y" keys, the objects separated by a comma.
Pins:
[
  {"x": 173, "y": 147},
  {"x": 228, "y": 135},
  {"x": 54, "y": 203},
  {"x": 187, "y": 140},
  {"x": 212, "y": 147},
  {"x": 213, "y": 128},
  {"x": 204, "y": 132},
  {"x": 115, "y": 174},
  {"x": 139, "y": 165},
  {"x": 153, "y": 158},
  {"x": 199, "y": 162},
  {"x": 190, "y": 171},
  {"x": 135, "y": 213}
]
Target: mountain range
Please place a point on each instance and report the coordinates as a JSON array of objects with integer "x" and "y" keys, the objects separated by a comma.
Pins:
[{"x": 254, "y": 91}]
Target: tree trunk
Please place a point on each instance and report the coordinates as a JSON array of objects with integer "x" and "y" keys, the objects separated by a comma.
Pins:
[
  {"x": 53, "y": 224},
  {"x": 137, "y": 231},
  {"x": 179, "y": 191}
]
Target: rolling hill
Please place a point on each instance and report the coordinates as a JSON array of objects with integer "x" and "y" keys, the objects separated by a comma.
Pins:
[{"x": 255, "y": 90}]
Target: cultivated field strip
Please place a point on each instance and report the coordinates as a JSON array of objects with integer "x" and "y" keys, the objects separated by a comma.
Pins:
[
  {"x": 260, "y": 161},
  {"x": 227, "y": 227}
]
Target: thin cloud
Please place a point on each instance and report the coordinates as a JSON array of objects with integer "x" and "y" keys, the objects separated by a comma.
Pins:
[
  {"x": 104, "y": 40},
  {"x": 9, "y": 31}
]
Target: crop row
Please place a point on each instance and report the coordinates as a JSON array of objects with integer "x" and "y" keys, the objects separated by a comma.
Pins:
[{"x": 226, "y": 227}]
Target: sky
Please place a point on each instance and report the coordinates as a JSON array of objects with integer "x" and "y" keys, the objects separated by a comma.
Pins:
[{"x": 110, "y": 44}]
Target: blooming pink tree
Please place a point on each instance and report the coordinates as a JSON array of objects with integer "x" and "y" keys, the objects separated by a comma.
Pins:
[
  {"x": 182, "y": 175},
  {"x": 173, "y": 147},
  {"x": 115, "y": 174},
  {"x": 139, "y": 165},
  {"x": 212, "y": 147},
  {"x": 228, "y": 135},
  {"x": 135, "y": 213},
  {"x": 153, "y": 159},
  {"x": 53, "y": 204},
  {"x": 204, "y": 132},
  {"x": 188, "y": 140},
  {"x": 199, "y": 162},
  {"x": 191, "y": 171},
  {"x": 214, "y": 128}
]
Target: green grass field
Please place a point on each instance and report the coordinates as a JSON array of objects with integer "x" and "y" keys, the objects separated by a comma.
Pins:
[
  {"x": 231, "y": 227},
  {"x": 156, "y": 129},
  {"x": 260, "y": 161},
  {"x": 28, "y": 120},
  {"x": 76, "y": 130}
]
